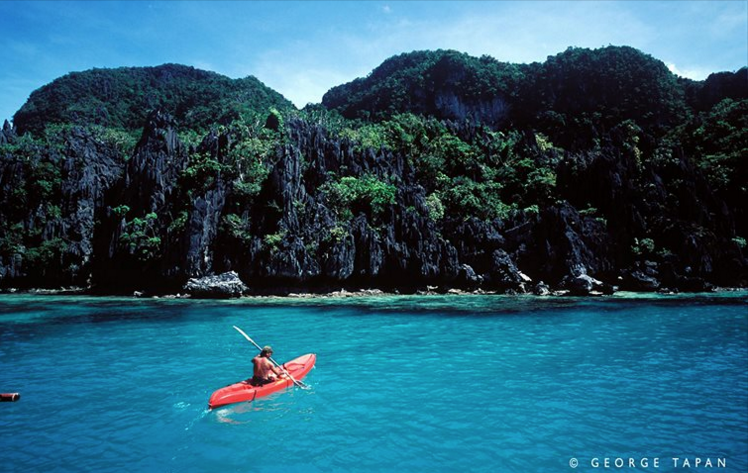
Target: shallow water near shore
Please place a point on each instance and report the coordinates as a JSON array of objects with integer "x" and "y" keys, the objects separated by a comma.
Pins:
[{"x": 402, "y": 383}]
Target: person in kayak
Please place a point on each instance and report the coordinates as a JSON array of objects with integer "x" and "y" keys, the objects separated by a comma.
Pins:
[{"x": 264, "y": 370}]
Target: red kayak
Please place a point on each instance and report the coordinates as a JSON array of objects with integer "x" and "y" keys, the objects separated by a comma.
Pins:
[{"x": 243, "y": 391}]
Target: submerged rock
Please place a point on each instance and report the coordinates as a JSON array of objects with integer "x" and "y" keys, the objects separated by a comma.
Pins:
[{"x": 221, "y": 286}]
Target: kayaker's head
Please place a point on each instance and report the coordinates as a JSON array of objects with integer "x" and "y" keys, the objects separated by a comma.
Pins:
[{"x": 266, "y": 351}]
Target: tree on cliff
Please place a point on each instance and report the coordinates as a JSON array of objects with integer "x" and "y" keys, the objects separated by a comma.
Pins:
[{"x": 437, "y": 168}]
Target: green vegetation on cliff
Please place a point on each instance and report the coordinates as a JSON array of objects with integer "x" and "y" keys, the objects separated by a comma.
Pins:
[
  {"x": 575, "y": 95},
  {"x": 442, "y": 82},
  {"x": 594, "y": 160},
  {"x": 121, "y": 99}
]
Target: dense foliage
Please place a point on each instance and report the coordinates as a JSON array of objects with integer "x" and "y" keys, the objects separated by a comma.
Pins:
[
  {"x": 426, "y": 82},
  {"x": 471, "y": 173},
  {"x": 121, "y": 98},
  {"x": 606, "y": 147},
  {"x": 580, "y": 93}
]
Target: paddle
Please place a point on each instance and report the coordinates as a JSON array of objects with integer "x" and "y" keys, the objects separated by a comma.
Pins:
[{"x": 297, "y": 383}]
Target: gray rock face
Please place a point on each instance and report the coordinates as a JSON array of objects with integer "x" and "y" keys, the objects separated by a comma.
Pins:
[
  {"x": 541, "y": 289},
  {"x": 147, "y": 192},
  {"x": 504, "y": 273},
  {"x": 639, "y": 281},
  {"x": 467, "y": 276},
  {"x": 452, "y": 106},
  {"x": 290, "y": 233},
  {"x": 644, "y": 278},
  {"x": 203, "y": 229},
  {"x": 90, "y": 170},
  {"x": 7, "y": 133},
  {"x": 222, "y": 286},
  {"x": 77, "y": 175},
  {"x": 152, "y": 172},
  {"x": 582, "y": 284}
]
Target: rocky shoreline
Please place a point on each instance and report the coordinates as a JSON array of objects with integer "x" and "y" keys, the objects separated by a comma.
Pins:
[
  {"x": 305, "y": 203},
  {"x": 230, "y": 286}
]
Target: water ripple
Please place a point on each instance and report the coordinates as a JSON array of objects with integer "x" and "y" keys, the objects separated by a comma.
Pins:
[{"x": 402, "y": 384}]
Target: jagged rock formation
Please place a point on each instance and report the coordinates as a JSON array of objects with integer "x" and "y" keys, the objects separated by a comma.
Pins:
[
  {"x": 131, "y": 236},
  {"x": 216, "y": 287},
  {"x": 310, "y": 245},
  {"x": 7, "y": 134},
  {"x": 281, "y": 202},
  {"x": 52, "y": 195}
]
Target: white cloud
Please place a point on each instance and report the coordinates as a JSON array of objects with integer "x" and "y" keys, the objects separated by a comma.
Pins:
[
  {"x": 304, "y": 71},
  {"x": 301, "y": 86},
  {"x": 695, "y": 74},
  {"x": 204, "y": 65},
  {"x": 300, "y": 72}
]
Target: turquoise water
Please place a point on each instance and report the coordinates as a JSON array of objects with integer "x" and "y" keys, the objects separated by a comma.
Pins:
[{"x": 432, "y": 384}]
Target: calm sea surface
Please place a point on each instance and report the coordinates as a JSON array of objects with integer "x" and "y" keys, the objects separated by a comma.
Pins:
[{"x": 411, "y": 384}]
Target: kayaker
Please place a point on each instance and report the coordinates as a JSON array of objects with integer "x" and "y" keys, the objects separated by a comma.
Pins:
[{"x": 264, "y": 370}]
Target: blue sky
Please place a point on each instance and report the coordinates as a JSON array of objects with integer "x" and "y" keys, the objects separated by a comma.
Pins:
[{"x": 301, "y": 49}]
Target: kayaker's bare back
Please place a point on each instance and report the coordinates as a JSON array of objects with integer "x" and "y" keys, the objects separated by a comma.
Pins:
[{"x": 263, "y": 368}]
